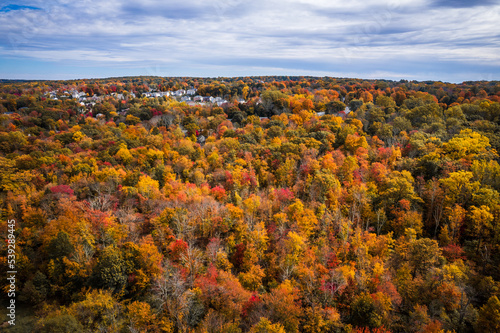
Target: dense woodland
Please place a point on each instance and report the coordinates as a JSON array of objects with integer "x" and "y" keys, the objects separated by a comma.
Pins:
[{"x": 281, "y": 214}]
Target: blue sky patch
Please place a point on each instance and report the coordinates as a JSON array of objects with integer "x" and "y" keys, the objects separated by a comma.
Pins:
[
  {"x": 10, "y": 8},
  {"x": 464, "y": 3}
]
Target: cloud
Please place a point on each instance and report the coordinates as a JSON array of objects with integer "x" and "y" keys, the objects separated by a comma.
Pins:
[{"x": 272, "y": 36}]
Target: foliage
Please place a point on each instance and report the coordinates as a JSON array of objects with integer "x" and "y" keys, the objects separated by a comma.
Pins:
[{"x": 298, "y": 204}]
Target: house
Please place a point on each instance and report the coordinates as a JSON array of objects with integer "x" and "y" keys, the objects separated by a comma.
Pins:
[
  {"x": 185, "y": 98},
  {"x": 344, "y": 113},
  {"x": 192, "y": 103},
  {"x": 201, "y": 139},
  {"x": 191, "y": 92}
]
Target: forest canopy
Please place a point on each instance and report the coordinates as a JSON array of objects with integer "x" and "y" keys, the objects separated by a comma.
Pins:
[{"x": 253, "y": 204}]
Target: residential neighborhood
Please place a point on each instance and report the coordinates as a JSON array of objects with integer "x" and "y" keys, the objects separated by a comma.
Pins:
[{"x": 188, "y": 96}]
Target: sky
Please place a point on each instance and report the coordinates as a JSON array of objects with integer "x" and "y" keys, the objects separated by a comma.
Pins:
[{"x": 445, "y": 40}]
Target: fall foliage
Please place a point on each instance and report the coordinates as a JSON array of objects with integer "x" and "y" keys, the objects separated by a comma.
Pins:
[{"x": 298, "y": 204}]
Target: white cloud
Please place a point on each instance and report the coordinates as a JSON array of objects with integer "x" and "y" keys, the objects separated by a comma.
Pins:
[{"x": 194, "y": 33}]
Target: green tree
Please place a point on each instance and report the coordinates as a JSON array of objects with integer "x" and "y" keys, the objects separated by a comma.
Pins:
[
  {"x": 363, "y": 312},
  {"x": 110, "y": 271},
  {"x": 423, "y": 254},
  {"x": 399, "y": 186},
  {"x": 334, "y": 107},
  {"x": 60, "y": 246}
]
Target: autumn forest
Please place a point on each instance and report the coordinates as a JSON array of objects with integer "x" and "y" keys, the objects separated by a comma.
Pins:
[{"x": 255, "y": 204}]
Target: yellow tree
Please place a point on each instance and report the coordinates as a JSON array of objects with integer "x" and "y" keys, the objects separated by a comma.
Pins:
[
  {"x": 456, "y": 216},
  {"x": 305, "y": 217},
  {"x": 141, "y": 317},
  {"x": 489, "y": 316},
  {"x": 481, "y": 223},
  {"x": 148, "y": 187},
  {"x": 283, "y": 306},
  {"x": 265, "y": 326},
  {"x": 469, "y": 145}
]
